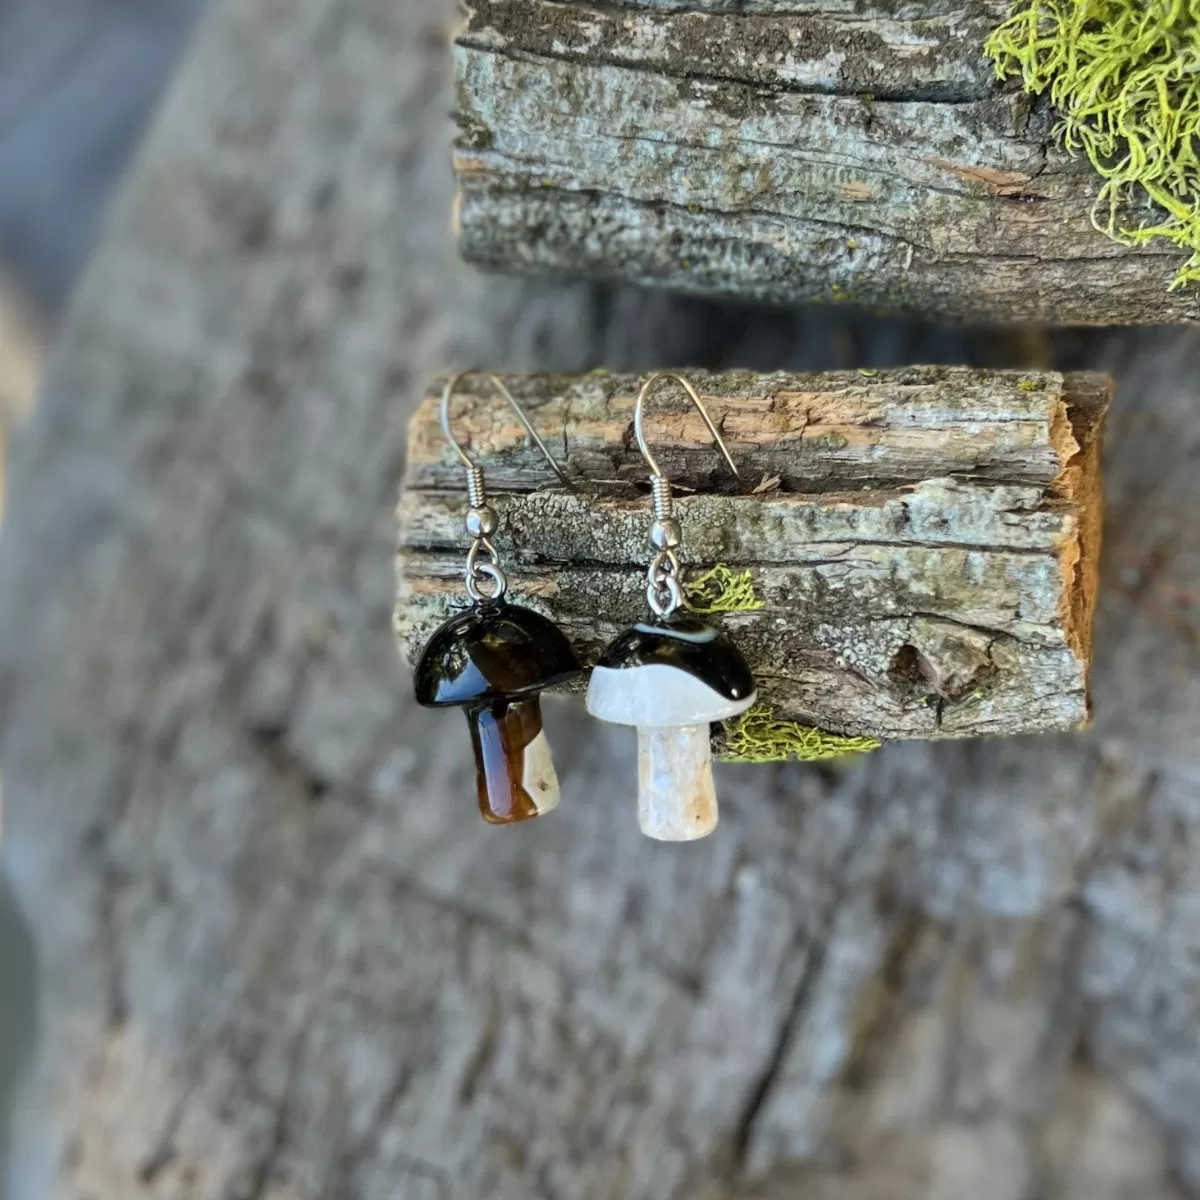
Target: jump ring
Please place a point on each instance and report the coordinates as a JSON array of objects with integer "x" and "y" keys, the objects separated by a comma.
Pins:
[
  {"x": 477, "y": 571},
  {"x": 663, "y": 565},
  {"x": 496, "y": 574},
  {"x": 674, "y": 596}
]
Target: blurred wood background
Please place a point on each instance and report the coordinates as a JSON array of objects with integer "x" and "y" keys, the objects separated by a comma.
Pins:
[
  {"x": 78, "y": 81},
  {"x": 280, "y": 955}
]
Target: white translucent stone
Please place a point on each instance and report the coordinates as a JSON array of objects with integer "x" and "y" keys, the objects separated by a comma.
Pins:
[
  {"x": 656, "y": 694},
  {"x": 540, "y": 779},
  {"x": 676, "y": 798}
]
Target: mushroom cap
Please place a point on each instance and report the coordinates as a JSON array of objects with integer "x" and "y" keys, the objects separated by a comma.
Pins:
[
  {"x": 674, "y": 672},
  {"x": 494, "y": 651}
]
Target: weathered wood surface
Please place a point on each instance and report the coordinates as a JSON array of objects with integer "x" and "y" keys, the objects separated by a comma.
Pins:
[
  {"x": 282, "y": 957},
  {"x": 926, "y": 551},
  {"x": 784, "y": 151}
]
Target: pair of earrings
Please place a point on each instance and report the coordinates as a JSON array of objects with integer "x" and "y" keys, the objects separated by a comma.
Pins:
[{"x": 669, "y": 676}]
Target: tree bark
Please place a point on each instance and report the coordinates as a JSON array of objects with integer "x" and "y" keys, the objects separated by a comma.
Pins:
[
  {"x": 784, "y": 152},
  {"x": 925, "y": 542},
  {"x": 281, "y": 956}
]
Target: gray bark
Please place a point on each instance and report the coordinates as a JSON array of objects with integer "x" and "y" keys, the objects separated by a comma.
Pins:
[
  {"x": 281, "y": 956},
  {"x": 926, "y": 545},
  {"x": 784, "y": 152}
]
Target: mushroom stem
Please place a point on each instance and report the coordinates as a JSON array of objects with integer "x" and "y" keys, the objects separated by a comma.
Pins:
[
  {"x": 515, "y": 775},
  {"x": 676, "y": 798}
]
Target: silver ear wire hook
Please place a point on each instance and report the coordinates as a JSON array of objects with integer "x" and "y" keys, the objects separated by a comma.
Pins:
[
  {"x": 639, "y": 430},
  {"x": 663, "y": 589},
  {"x": 496, "y": 382},
  {"x": 481, "y": 520}
]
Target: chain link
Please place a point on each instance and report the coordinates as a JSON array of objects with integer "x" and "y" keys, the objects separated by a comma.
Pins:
[
  {"x": 663, "y": 590},
  {"x": 478, "y": 571}
]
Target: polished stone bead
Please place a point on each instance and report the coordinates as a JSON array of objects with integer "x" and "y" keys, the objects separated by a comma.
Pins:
[
  {"x": 670, "y": 679},
  {"x": 493, "y": 660},
  {"x": 494, "y": 651},
  {"x": 677, "y": 801},
  {"x": 676, "y": 671},
  {"x": 514, "y": 773}
]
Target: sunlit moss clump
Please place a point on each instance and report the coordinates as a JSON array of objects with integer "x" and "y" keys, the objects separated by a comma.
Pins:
[
  {"x": 722, "y": 590},
  {"x": 1124, "y": 76},
  {"x": 759, "y": 736}
]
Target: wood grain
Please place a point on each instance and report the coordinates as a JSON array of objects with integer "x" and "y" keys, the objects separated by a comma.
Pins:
[{"x": 784, "y": 152}]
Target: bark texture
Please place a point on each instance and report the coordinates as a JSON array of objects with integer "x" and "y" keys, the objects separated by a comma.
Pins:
[
  {"x": 925, "y": 543},
  {"x": 785, "y": 151},
  {"x": 282, "y": 958}
]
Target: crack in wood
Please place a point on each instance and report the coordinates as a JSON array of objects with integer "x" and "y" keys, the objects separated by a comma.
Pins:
[
  {"x": 950, "y": 96},
  {"x": 261, "y": 1175},
  {"x": 766, "y": 1079}
]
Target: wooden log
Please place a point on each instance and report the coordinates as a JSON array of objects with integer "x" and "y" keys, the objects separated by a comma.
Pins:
[
  {"x": 923, "y": 541},
  {"x": 785, "y": 151}
]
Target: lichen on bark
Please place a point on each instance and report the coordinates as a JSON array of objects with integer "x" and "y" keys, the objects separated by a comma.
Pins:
[
  {"x": 1125, "y": 79},
  {"x": 721, "y": 589},
  {"x": 787, "y": 153},
  {"x": 761, "y": 735}
]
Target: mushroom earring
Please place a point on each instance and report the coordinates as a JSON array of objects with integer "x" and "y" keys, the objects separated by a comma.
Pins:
[
  {"x": 671, "y": 675},
  {"x": 495, "y": 658}
]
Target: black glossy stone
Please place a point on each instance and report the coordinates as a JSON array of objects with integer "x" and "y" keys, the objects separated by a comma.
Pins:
[
  {"x": 494, "y": 651},
  {"x": 492, "y": 661},
  {"x": 685, "y": 642}
]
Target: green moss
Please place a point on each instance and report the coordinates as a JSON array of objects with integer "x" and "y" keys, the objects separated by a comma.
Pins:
[
  {"x": 759, "y": 736},
  {"x": 826, "y": 442},
  {"x": 722, "y": 590},
  {"x": 1124, "y": 76}
]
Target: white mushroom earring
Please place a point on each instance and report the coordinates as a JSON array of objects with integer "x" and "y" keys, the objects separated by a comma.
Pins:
[
  {"x": 495, "y": 658},
  {"x": 671, "y": 675}
]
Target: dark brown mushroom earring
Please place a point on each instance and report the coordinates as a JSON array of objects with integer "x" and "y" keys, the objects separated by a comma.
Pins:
[
  {"x": 671, "y": 675},
  {"x": 495, "y": 658}
]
